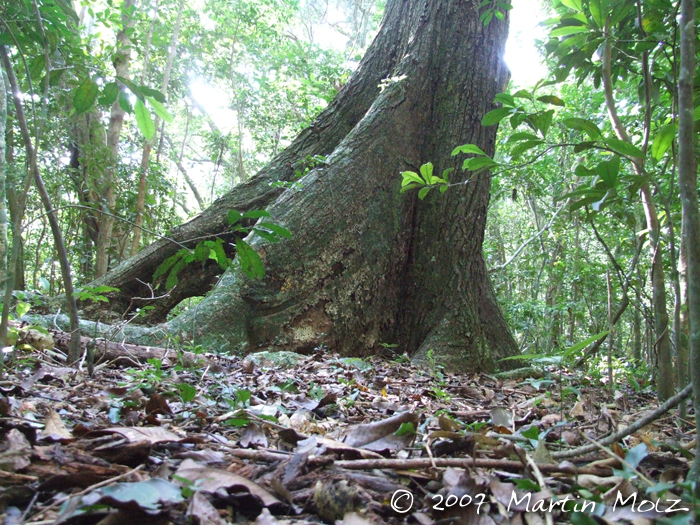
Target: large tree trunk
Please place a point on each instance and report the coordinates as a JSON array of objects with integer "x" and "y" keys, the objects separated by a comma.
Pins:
[{"x": 367, "y": 265}]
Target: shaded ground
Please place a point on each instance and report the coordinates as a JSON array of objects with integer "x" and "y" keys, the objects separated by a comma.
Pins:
[{"x": 304, "y": 439}]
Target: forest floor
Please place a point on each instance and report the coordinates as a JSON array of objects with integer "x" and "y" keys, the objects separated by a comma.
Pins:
[{"x": 277, "y": 439}]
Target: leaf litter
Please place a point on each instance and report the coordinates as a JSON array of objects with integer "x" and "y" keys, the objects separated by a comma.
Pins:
[{"x": 333, "y": 440}]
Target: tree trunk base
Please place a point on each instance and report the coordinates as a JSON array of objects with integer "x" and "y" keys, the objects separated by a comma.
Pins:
[{"x": 368, "y": 266}]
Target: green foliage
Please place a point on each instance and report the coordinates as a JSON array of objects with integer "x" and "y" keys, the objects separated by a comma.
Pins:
[
  {"x": 94, "y": 293},
  {"x": 493, "y": 8},
  {"x": 187, "y": 392},
  {"x": 249, "y": 260},
  {"x": 405, "y": 429}
]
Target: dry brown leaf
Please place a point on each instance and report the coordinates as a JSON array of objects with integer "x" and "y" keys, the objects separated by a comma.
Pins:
[
  {"x": 55, "y": 429},
  {"x": 379, "y": 436},
  {"x": 210, "y": 480},
  {"x": 501, "y": 417},
  {"x": 578, "y": 410},
  {"x": 253, "y": 436},
  {"x": 151, "y": 434},
  {"x": 202, "y": 512},
  {"x": 16, "y": 452}
]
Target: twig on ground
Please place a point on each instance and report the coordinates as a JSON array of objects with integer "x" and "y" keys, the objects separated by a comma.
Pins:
[
  {"x": 422, "y": 463},
  {"x": 637, "y": 425},
  {"x": 96, "y": 486}
]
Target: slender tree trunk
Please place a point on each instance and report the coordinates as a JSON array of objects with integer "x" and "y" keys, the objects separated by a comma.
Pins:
[
  {"x": 368, "y": 265},
  {"x": 121, "y": 62},
  {"x": 74, "y": 352},
  {"x": 148, "y": 144},
  {"x": 665, "y": 380},
  {"x": 688, "y": 182}
]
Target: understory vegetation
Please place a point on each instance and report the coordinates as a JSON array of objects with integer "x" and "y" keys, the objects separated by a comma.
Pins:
[{"x": 122, "y": 121}]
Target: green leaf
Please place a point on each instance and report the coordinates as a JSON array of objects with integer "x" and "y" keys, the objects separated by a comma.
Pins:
[
  {"x": 243, "y": 397},
  {"x": 201, "y": 252},
  {"x": 567, "y": 31},
  {"x": 233, "y": 217},
  {"x": 551, "y": 99},
  {"x": 585, "y": 125},
  {"x": 187, "y": 392},
  {"x": 160, "y": 109},
  {"x": 277, "y": 229},
  {"x": 468, "y": 148},
  {"x": 172, "y": 280},
  {"x": 250, "y": 261},
  {"x": 531, "y": 433},
  {"x": 505, "y": 99},
  {"x": 583, "y": 146},
  {"x": 152, "y": 93},
  {"x": 405, "y": 429},
  {"x": 427, "y": 171},
  {"x": 412, "y": 186},
  {"x": 583, "y": 171},
  {"x": 22, "y": 308},
  {"x": 422, "y": 193},
  {"x": 521, "y": 135},
  {"x": 598, "y": 13},
  {"x": 168, "y": 263},
  {"x": 220, "y": 254},
  {"x": 109, "y": 94},
  {"x": 144, "y": 120},
  {"x": 36, "y": 66},
  {"x": 411, "y": 177},
  {"x": 267, "y": 235},
  {"x": 572, "y": 4},
  {"x": 495, "y": 116},
  {"x": 696, "y": 113},
  {"x": 624, "y": 148},
  {"x": 523, "y": 93},
  {"x": 479, "y": 162},
  {"x": 124, "y": 101},
  {"x": 524, "y": 146},
  {"x": 663, "y": 140},
  {"x": 609, "y": 170},
  {"x": 132, "y": 87},
  {"x": 583, "y": 344},
  {"x": 255, "y": 214},
  {"x": 635, "y": 455},
  {"x": 84, "y": 97}
]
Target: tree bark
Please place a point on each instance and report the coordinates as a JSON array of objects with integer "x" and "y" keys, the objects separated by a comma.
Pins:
[
  {"x": 688, "y": 182},
  {"x": 121, "y": 61},
  {"x": 368, "y": 265}
]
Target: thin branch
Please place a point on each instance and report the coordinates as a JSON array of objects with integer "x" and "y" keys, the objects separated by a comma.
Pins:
[{"x": 526, "y": 243}]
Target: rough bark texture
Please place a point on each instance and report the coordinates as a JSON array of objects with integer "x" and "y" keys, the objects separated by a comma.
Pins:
[{"x": 368, "y": 265}]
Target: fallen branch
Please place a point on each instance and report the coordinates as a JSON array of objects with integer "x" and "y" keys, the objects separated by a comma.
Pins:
[
  {"x": 637, "y": 425},
  {"x": 503, "y": 464},
  {"x": 124, "y": 354}
]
